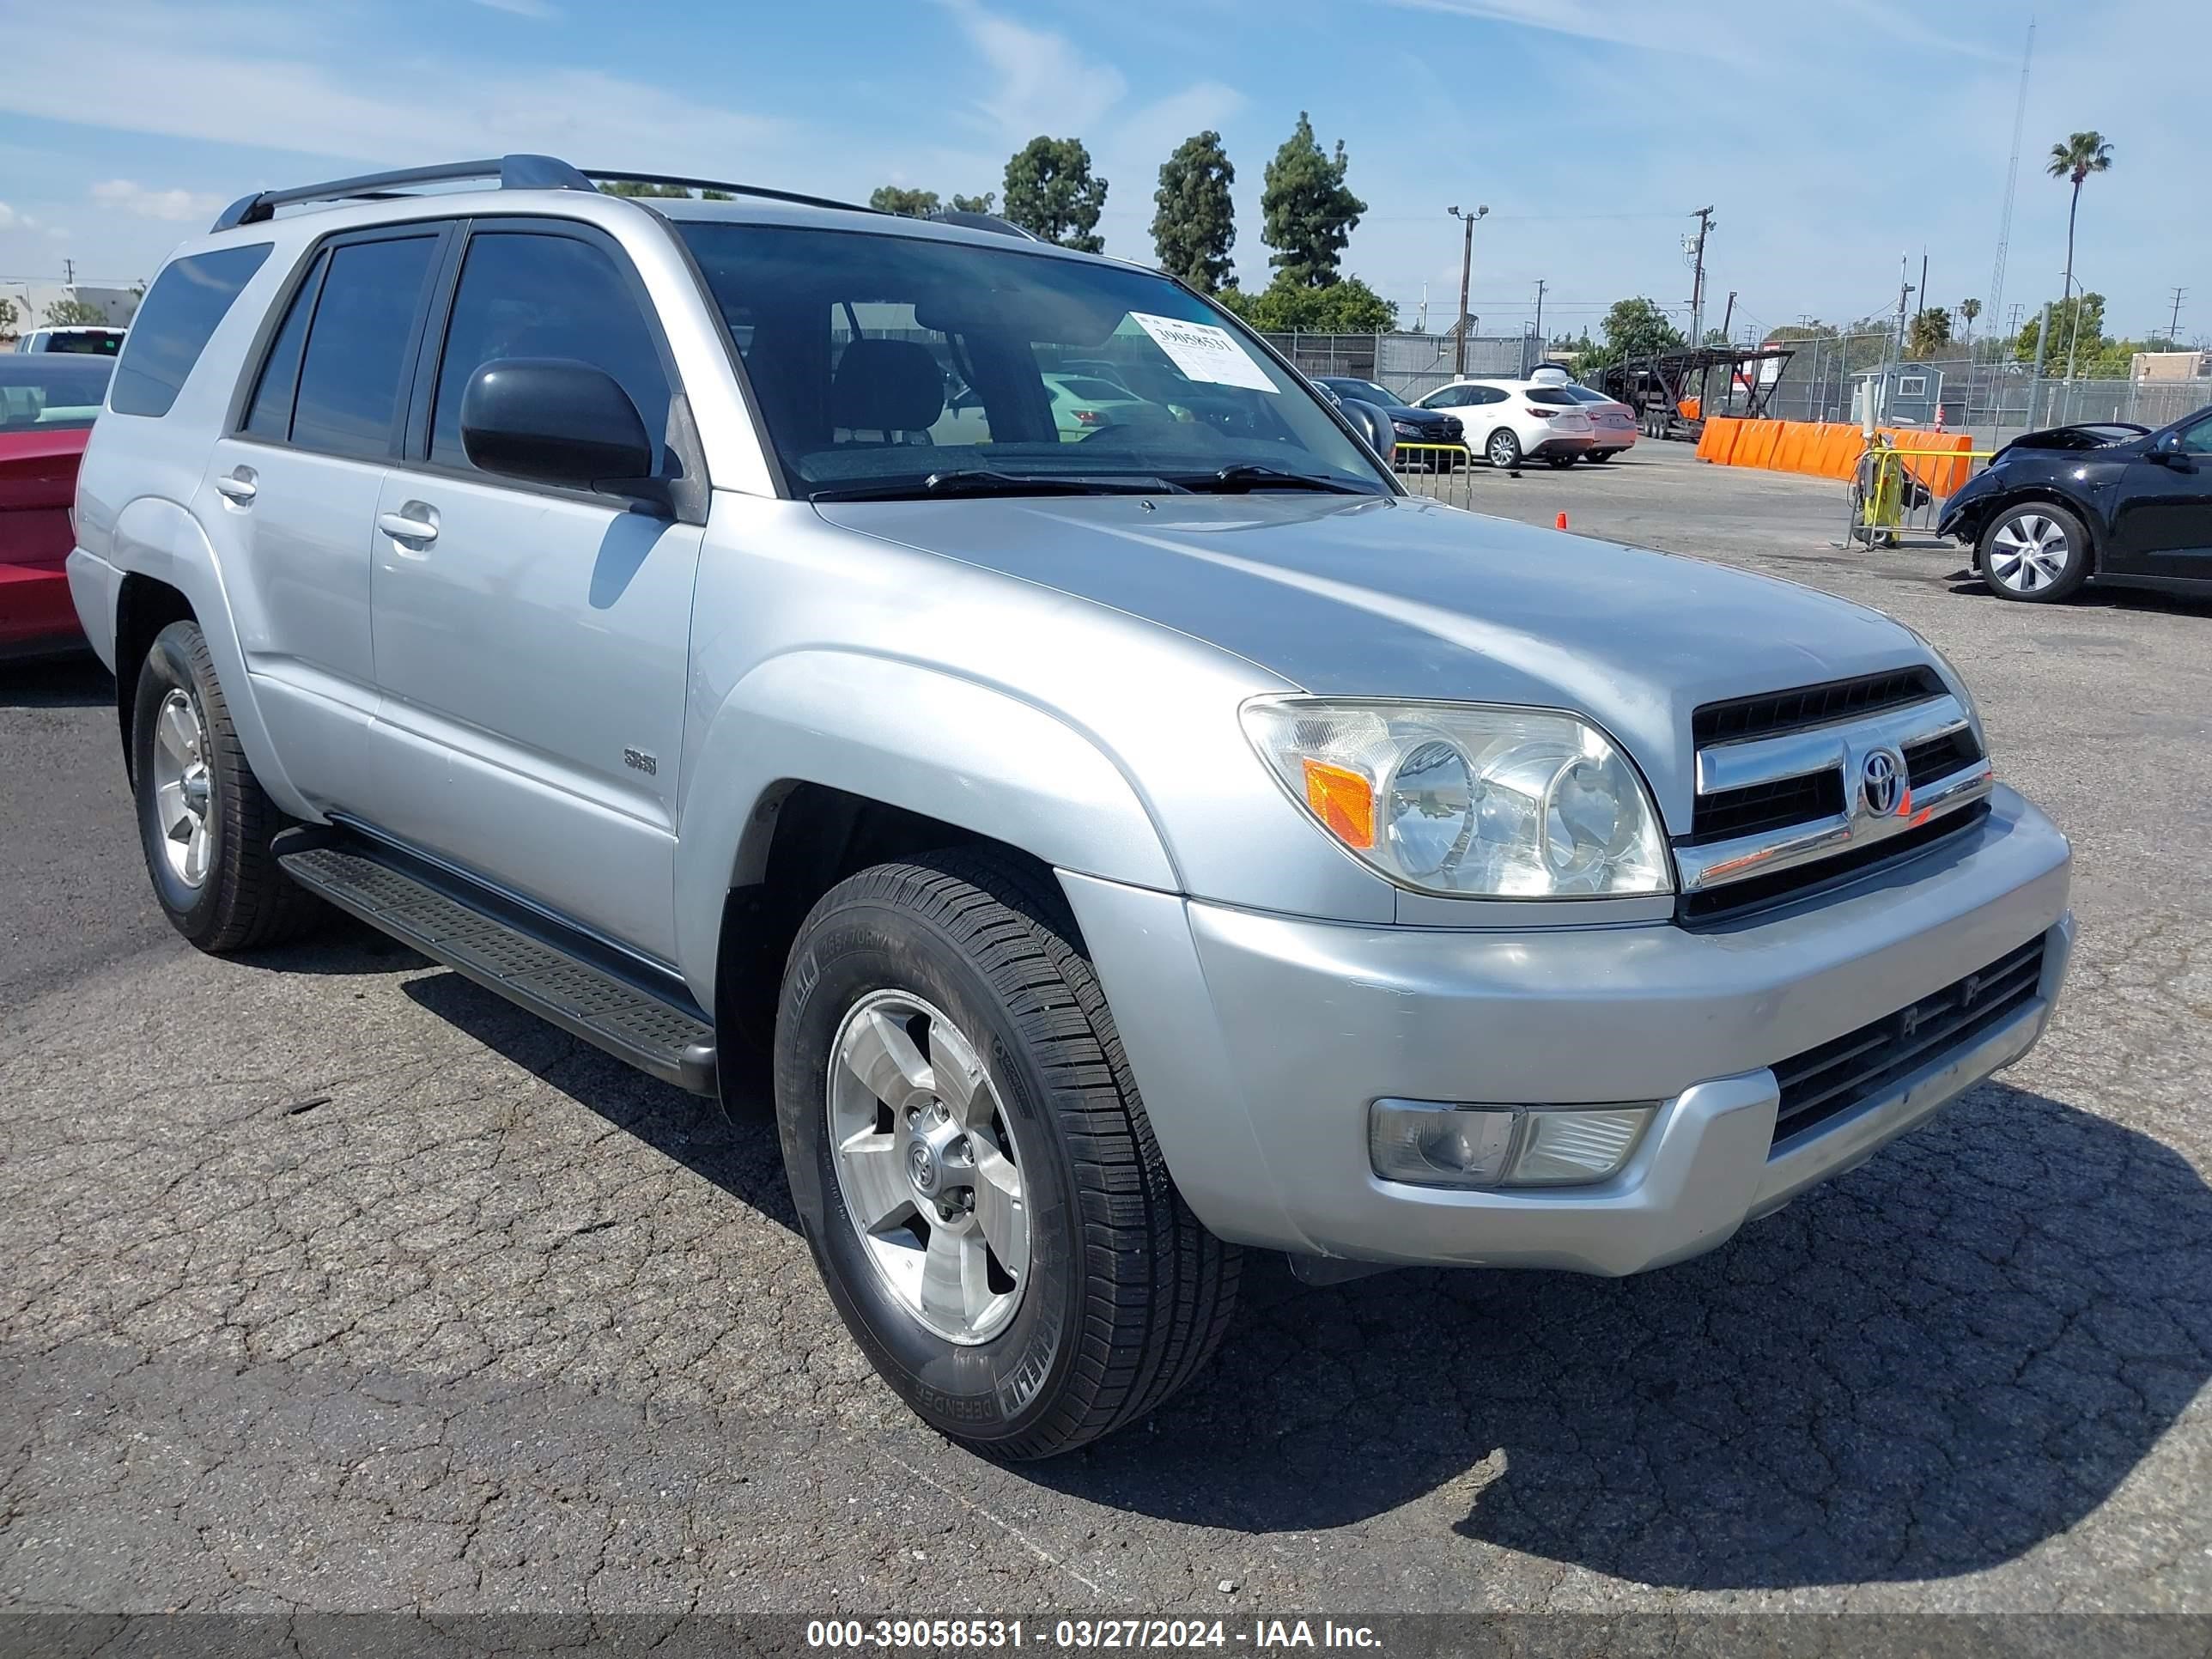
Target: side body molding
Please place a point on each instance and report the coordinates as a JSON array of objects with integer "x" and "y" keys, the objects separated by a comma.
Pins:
[{"x": 909, "y": 735}]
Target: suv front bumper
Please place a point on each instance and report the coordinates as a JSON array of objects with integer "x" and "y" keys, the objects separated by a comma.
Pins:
[{"x": 1260, "y": 1041}]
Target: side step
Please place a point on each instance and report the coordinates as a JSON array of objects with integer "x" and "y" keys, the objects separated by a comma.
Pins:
[{"x": 583, "y": 986}]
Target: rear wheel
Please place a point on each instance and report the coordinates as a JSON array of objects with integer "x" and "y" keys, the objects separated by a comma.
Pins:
[
  {"x": 204, "y": 820},
  {"x": 1504, "y": 448},
  {"x": 2036, "y": 553},
  {"x": 972, "y": 1166}
]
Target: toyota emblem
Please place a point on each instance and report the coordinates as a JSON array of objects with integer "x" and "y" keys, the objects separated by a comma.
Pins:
[{"x": 1882, "y": 780}]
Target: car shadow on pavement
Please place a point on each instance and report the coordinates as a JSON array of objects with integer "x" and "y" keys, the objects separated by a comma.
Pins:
[
  {"x": 1924, "y": 1369},
  {"x": 737, "y": 1152},
  {"x": 71, "y": 682}
]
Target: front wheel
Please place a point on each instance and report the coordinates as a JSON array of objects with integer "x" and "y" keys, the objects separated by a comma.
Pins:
[
  {"x": 972, "y": 1166},
  {"x": 1562, "y": 462},
  {"x": 2035, "y": 552},
  {"x": 1503, "y": 449},
  {"x": 204, "y": 820}
]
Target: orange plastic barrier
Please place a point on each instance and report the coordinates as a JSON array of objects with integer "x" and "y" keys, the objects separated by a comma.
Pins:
[
  {"x": 1689, "y": 406},
  {"x": 1830, "y": 449}
]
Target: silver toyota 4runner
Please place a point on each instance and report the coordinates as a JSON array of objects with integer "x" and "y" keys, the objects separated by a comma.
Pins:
[{"x": 990, "y": 682}]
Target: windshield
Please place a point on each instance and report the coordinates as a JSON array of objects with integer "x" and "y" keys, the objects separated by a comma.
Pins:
[
  {"x": 40, "y": 390},
  {"x": 89, "y": 341},
  {"x": 885, "y": 365},
  {"x": 1366, "y": 390}
]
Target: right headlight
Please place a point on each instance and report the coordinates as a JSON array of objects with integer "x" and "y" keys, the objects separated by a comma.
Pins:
[{"x": 1468, "y": 800}]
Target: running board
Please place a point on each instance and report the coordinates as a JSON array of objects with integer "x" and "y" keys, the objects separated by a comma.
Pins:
[{"x": 581, "y": 985}]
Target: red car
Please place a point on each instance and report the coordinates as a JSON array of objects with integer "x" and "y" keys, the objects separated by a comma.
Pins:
[{"x": 47, "y": 404}]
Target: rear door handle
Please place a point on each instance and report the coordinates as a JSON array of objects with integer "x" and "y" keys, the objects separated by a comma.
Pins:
[
  {"x": 416, "y": 521},
  {"x": 236, "y": 485}
]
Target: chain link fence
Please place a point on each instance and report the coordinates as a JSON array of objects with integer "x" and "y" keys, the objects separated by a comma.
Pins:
[
  {"x": 1974, "y": 391},
  {"x": 1410, "y": 365}
]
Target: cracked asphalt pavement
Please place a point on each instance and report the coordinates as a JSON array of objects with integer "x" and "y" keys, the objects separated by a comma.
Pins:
[{"x": 328, "y": 1282}]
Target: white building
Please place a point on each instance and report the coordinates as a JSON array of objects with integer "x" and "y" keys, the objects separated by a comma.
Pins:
[{"x": 30, "y": 299}]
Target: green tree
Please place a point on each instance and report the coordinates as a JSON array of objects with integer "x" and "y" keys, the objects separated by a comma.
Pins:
[
  {"x": 976, "y": 203},
  {"x": 1346, "y": 306},
  {"x": 1968, "y": 310},
  {"x": 909, "y": 204},
  {"x": 1928, "y": 333},
  {"x": 2081, "y": 319},
  {"x": 1050, "y": 193},
  {"x": 74, "y": 313},
  {"x": 9, "y": 316},
  {"x": 2081, "y": 155},
  {"x": 1195, "y": 222},
  {"x": 1309, "y": 212},
  {"x": 1637, "y": 328}
]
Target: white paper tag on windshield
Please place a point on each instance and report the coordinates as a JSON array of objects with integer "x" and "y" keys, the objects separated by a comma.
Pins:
[{"x": 1204, "y": 352}]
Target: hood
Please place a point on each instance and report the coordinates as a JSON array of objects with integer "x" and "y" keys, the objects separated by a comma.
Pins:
[
  {"x": 1397, "y": 596},
  {"x": 2087, "y": 434}
]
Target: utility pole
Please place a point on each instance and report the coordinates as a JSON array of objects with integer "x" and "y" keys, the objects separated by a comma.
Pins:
[
  {"x": 1703, "y": 216},
  {"x": 1923, "y": 289},
  {"x": 1904, "y": 289},
  {"x": 1465, "y": 269},
  {"x": 1541, "y": 286},
  {"x": 2173, "y": 323},
  {"x": 69, "y": 273},
  {"x": 2012, "y": 180}
]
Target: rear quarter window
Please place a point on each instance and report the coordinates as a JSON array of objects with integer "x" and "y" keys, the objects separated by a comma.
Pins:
[{"x": 181, "y": 313}]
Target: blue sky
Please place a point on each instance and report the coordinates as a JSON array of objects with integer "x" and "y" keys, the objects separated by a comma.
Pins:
[{"x": 1830, "y": 137}]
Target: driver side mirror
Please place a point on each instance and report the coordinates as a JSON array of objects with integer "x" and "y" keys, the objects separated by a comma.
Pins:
[
  {"x": 2169, "y": 451},
  {"x": 556, "y": 421}
]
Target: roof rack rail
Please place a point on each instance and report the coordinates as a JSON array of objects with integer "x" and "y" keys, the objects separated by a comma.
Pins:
[
  {"x": 616, "y": 176},
  {"x": 512, "y": 172},
  {"x": 990, "y": 221}
]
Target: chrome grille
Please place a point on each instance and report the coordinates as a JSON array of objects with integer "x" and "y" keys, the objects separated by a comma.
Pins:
[{"x": 1797, "y": 788}]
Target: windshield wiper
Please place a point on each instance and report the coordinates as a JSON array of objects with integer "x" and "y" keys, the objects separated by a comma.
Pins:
[
  {"x": 982, "y": 481},
  {"x": 1247, "y": 476}
]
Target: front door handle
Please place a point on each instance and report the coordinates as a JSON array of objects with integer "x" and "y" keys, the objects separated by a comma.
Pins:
[
  {"x": 236, "y": 485},
  {"x": 414, "y": 522}
]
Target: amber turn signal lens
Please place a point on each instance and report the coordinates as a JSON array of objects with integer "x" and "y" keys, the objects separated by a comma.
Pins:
[{"x": 1342, "y": 799}]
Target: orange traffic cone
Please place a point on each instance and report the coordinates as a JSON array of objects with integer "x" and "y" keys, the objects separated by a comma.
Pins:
[{"x": 1559, "y": 523}]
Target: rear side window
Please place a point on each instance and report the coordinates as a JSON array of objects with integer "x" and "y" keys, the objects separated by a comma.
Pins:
[
  {"x": 171, "y": 328},
  {"x": 525, "y": 293},
  {"x": 353, "y": 374},
  {"x": 271, "y": 415}
]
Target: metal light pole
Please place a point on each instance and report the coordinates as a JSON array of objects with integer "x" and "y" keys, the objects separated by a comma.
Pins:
[{"x": 1466, "y": 269}]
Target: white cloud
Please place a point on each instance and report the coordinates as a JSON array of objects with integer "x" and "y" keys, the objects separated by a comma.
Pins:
[
  {"x": 536, "y": 10},
  {"x": 159, "y": 76},
  {"x": 8, "y": 218},
  {"x": 128, "y": 196},
  {"x": 1044, "y": 84}
]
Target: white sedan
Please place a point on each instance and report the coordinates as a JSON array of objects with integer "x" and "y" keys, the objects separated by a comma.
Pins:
[{"x": 1509, "y": 421}]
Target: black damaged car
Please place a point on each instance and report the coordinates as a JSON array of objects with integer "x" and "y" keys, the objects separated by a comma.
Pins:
[{"x": 2109, "y": 501}]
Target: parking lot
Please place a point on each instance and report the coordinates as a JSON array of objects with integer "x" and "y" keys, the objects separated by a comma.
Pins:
[{"x": 328, "y": 1280}]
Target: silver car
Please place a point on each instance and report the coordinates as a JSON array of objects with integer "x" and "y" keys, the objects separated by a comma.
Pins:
[{"x": 1127, "y": 853}]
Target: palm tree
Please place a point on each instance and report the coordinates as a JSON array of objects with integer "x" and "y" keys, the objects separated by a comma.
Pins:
[{"x": 2081, "y": 155}]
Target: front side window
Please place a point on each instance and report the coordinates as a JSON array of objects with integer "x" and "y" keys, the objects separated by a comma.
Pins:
[
  {"x": 2197, "y": 440},
  {"x": 352, "y": 374},
  {"x": 526, "y": 293},
  {"x": 44, "y": 391},
  {"x": 885, "y": 364},
  {"x": 174, "y": 323}
]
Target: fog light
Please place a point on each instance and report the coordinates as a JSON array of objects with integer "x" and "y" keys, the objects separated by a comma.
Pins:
[{"x": 1440, "y": 1144}]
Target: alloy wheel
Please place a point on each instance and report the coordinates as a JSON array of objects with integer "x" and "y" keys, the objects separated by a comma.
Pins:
[
  {"x": 929, "y": 1167},
  {"x": 2029, "y": 552},
  {"x": 182, "y": 788}
]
